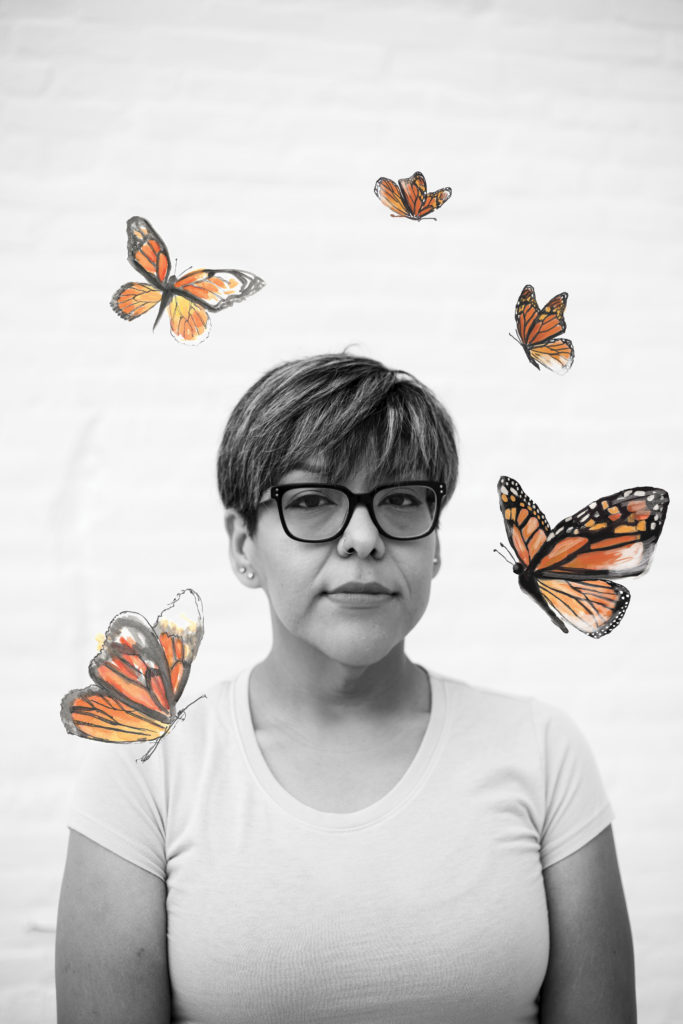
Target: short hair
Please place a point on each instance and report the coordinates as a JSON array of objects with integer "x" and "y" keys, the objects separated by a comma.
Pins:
[{"x": 339, "y": 412}]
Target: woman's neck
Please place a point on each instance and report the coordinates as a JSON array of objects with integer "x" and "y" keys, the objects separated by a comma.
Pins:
[{"x": 307, "y": 688}]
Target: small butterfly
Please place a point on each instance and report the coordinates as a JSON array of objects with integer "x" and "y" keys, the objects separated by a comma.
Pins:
[
  {"x": 568, "y": 570},
  {"x": 189, "y": 298},
  {"x": 537, "y": 331},
  {"x": 138, "y": 676},
  {"x": 410, "y": 197}
]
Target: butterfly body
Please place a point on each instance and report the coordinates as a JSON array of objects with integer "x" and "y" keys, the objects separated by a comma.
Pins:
[
  {"x": 570, "y": 571},
  {"x": 189, "y": 297},
  {"x": 409, "y": 197},
  {"x": 138, "y": 676},
  {"x": 538, "y": 331}
]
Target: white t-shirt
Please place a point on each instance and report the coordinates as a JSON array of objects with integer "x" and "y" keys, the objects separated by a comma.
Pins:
[{"x": 427, "y": 907}]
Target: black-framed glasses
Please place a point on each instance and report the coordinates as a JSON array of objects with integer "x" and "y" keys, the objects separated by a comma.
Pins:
[{"x": 313, "y": 513}]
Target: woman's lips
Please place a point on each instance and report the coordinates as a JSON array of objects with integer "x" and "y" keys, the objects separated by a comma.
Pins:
[
  {"x": 360, "y": 595},
  {"x": 359, "y": 588}
]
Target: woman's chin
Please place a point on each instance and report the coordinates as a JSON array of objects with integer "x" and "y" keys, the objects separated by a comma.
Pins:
[
  {"x": 358, "y": 658},
  {"x": 355, "y": 640},
  {"x": 357, "y": 649}
]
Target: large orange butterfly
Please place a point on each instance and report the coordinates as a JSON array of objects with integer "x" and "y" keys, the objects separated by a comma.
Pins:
[
  {"x": 189, "y": 298},
  {"x": 538, "y": 330},
  {"x": 138, "y": 676},
  {"x": 410, "y": 197},
  {"x": 568, "y": 570}
]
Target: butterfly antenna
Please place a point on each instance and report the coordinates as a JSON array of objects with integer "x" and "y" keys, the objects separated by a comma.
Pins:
[
  {"x": 148, "y": 753},
  {"x": 178, "y": 718},
  {"x": 505, "y": 554},
  {"x": 181, "y": 714}
]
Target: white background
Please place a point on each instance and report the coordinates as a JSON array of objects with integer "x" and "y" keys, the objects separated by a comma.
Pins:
[{"x": 251, "y": 135}]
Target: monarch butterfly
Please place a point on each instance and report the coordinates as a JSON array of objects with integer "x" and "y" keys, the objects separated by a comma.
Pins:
[
  {"x": 138, "y": 676},
  {"x": 189, "y": 298},
  {"x": 410, "y": 197},
  {"x": 537, "y": 331},
  {"x": 568, "y": 570}
]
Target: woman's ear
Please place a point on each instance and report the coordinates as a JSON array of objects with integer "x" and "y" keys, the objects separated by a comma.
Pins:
[
  {"x": 436, "y": 565},
  {"x": 240, "y": 541}
]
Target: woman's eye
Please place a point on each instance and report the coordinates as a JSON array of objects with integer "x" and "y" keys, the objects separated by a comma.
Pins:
[
  {"x": 401, "y": 499},
  {"x": 309, "y": 501}
]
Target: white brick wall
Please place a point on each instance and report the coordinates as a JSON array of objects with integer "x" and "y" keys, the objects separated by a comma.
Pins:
[{"x": 251, "y": 136}]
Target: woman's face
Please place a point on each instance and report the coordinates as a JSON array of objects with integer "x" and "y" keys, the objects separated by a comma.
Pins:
[{"x": 354, "y": 626}]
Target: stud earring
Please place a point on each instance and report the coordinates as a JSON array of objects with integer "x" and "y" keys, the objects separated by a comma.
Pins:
[
  {"x": 250, "y": 575},
  {"x": 242, "y": 570},
  {"x": 435, "y": 561}
]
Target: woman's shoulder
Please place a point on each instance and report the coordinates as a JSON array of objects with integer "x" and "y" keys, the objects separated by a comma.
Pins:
[
  {"x": 202, "y": 725},
  {"x": 486, "y": 709},
  {"x": 511, "y": 740},
  {"x": 472, "y": 698},
  {"x": 125, "y": 789}
]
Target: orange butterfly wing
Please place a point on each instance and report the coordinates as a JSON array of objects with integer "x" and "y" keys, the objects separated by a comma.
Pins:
[
  {"x": 526, "y": 526},
  {"x": 134, "y": 299},
  {"x": 147, "y": 250},
  {"x": 388, "y": 192},
  {"x": 189, "y": 322},
  {"x": 556, "y": 355},
  {"x": 198, "y": 291},
  {"x": 180, "y": 628},
  {"x": 97, "y": 716},
  {"x": 409, "y": 198},
  {"x": 218, "y": 289},
  {"x": 614, "y": 536},
  {"x": 569, "y": 570},
  {"x": 595, "y": 607},
  {"x": 537, "y": 331},
  {"x": 138, "y": 675}
]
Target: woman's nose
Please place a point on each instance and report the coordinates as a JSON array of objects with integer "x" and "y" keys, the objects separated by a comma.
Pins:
[{"x": 361, "y": 537}]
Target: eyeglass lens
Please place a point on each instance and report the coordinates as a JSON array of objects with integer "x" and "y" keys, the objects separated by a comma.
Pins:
[{"x": 402, "y": 511}]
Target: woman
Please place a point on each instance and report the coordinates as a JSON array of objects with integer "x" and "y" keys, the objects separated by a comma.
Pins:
[{"x": 338, "y": 835}]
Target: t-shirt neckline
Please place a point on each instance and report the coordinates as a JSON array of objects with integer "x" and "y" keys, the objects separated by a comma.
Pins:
[{"x": 403, "y": 791}]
